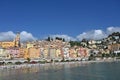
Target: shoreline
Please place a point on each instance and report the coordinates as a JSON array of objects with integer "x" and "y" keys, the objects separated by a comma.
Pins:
[{"x": 26, "y": 65}]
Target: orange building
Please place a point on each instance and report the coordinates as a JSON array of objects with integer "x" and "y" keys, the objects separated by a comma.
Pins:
[
  {"x": 26, "y": 54},
  {"x": 23, "y": 52},
  {"x": 73, "y": 53},
  {"x": 114, "y": 47},
  {"x": 33, "y": 53}
]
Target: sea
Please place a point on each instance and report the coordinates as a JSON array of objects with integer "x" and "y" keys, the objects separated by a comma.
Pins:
[{"x": 65, "y": 71}]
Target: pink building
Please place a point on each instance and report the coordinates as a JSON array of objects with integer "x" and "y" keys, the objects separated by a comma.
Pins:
[
  {"x": 82, "y": 52},
  {"x": 14, "y": 52}
]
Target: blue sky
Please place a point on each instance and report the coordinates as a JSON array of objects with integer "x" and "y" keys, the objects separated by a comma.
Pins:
[{"x": 41, "y": 18}]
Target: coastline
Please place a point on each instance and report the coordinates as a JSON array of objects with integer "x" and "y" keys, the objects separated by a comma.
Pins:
[{"x": 26, "y": 65}]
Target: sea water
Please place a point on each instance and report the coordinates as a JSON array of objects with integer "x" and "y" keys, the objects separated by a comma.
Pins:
[{"x": 67, "y": 71}]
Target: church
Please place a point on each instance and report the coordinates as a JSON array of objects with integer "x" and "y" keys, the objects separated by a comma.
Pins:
[{"x": 11, "y": 44}]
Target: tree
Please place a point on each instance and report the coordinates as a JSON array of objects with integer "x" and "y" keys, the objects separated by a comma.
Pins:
[
  {"x": 103, "y": 55},
  {"x": 48, "y": 39},
  {"x": 28, "y": 59},
  {"x": 58, "y": 38},
  {"x": 63, "y": 40},
  {"x": 91, "y": 57},
  {"x": 75, "y": 43}
]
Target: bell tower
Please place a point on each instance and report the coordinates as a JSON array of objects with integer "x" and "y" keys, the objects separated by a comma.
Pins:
[{"x": 17, "y": 40}]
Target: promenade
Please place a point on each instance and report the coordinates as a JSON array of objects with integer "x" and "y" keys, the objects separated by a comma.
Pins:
[{"x": 44, "y": 64}]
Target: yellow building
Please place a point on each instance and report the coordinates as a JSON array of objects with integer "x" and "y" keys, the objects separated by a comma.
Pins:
[
  {"x": 45, "y": 53},
  {"x": 30, "y": 45},
  {"x": 9, "y": 44},
  {"x": 58, "y": 53},
  {"x": 4, "y": 54}
]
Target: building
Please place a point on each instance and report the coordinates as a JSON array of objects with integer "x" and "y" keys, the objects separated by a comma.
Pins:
[
  {"x": 59, "y": 53},
  {"x": 46, "y": 52},
  {"x": 52, "y": 53},
  {"x": 23, "y": 51},
  {"x": 73, "y": 53},
  {"x": 83, "y": 52},
  {"x": 33, "y": 52},
  {"x": 29, "y": 45},
  {"x": 4, "y": 54},
  {"x": 66, "y": 52},
  {"x": 13, "y": 52},
  {"x": 114, "y": 47},
  {"x": 10, "y": 44}
]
